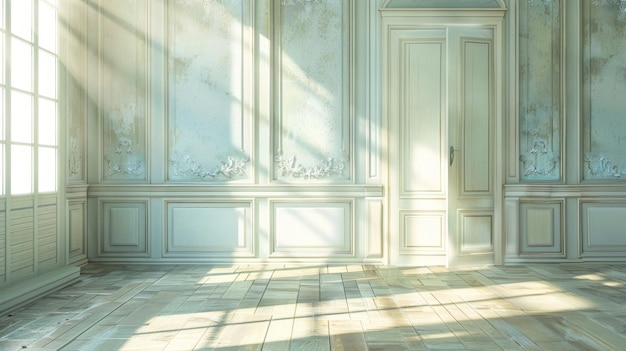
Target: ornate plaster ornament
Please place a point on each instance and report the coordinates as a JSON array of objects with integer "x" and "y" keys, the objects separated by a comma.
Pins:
[
  {"x": 123, "y": 165},
  {"x": 184, "y": 166},
  {"x": 600, "y": 166},
  {"x": 122, "y": 160},
  {"x": 75, "y": 161},
  {"x": 288, "y": 167},
  {"x": 539, "y": 160}
]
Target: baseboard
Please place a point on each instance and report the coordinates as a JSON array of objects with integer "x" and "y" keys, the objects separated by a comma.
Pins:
[{"x": 22, "y": 293}]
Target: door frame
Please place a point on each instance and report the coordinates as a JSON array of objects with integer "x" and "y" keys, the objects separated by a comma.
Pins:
[{"x": 416, "y": 18}]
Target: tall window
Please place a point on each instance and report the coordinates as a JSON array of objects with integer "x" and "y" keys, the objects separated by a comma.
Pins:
[{"x": 28, "y": 41}]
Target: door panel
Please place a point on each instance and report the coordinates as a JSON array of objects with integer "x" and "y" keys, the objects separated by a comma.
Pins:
[
  {"x": 417, "y": 148},
  {"x": 441, "y": 146},
  {"x": 421, "y": 125},
  {"x": 470, "y": 191}
]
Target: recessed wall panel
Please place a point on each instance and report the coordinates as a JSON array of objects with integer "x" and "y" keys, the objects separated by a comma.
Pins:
[
  {"x": 124, "y": 69},
  {"x": 209, "y": 89},
  {"x": 75, "y": 65},
  {"x": 603, "y": 229},
  {"x": 540, "y": 60},
  {"x": 603, "y": 88},
  {"x": 312, "y": 138},
  {"x": 215, "y": 229},
  {"x": 124, "y": 229},
  {"x": 541, "y": 228},
  {"x": 374, "y": 228},
  {"x": 321, "y": 229},
  {"x": 76, "y": 230}
]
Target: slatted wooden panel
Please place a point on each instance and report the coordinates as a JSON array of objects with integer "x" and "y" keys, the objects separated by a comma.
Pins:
[
  {"x": 3, "y": 240},
  {"x": 22, "y": 236},
  {"x": 47, "y": 235}
]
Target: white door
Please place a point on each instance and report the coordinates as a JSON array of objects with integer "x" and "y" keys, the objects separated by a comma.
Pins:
[{"x": 441, "y": 135}]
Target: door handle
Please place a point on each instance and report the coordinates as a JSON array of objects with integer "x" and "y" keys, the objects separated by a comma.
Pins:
[{"x": 451, "y": 154}]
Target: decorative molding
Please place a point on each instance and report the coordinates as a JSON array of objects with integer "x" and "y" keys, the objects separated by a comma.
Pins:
[
  {"x": 539, "y": 160},
  {"x": 326, "y": 168},
  {"x": 122, "y": 161},
  {"x": 124, "y": 165},
  {"x": 600, "y": 167},
  {"x": 299, "y": 2},
  {"x": 75, "y": 160},
  {"x": 184, "y": 166}
]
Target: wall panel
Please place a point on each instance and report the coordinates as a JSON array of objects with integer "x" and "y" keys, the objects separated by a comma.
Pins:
[
  {"x": 604, "y": 88},
  {"x": 312, "y": 90},
  {"x": 77, "y": 231},
  {"x": 124, "y": 229},
  {"x": 211, "y": 229},
  {"x": 74, "y": 60},
  {"x": 540, "y": 92},
  {"x": 602, "y": 225},
  {"x": 541, "y": 228},
  {"x": 124, "y": 93},
  {"x": 375, "y": 240},
  {"x": 209, "y": 89},
  {"x": 312, "y": 229}
]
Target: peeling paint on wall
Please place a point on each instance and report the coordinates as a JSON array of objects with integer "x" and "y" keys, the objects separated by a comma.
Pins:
[
  {"x": 205, "y": 90},
  {"x": 540, "y": 90},
  {"x": 314, "y": 48},
  {"x": 604, "y": 80},
  {"x": 124, "y": 81}
]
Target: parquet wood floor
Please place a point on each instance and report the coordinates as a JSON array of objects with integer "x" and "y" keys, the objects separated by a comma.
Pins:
[{"x": 339, "y": 308}]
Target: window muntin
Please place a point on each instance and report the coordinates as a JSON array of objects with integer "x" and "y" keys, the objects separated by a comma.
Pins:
[{"x": 28, "y": 96}]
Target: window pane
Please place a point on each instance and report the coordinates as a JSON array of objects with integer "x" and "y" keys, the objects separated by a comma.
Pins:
[
  {"x": 47, "y": 26},
  {"x": 21, "y": 65},
  {"x": 47, "y": 122},
  {"x": 47, "y": 74},
  {"x": 21, "y": 117},
  {"x": 21, "y": 169},
  {"x": 22, "y": 18},
  {"x": 47, "y": 169}
]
